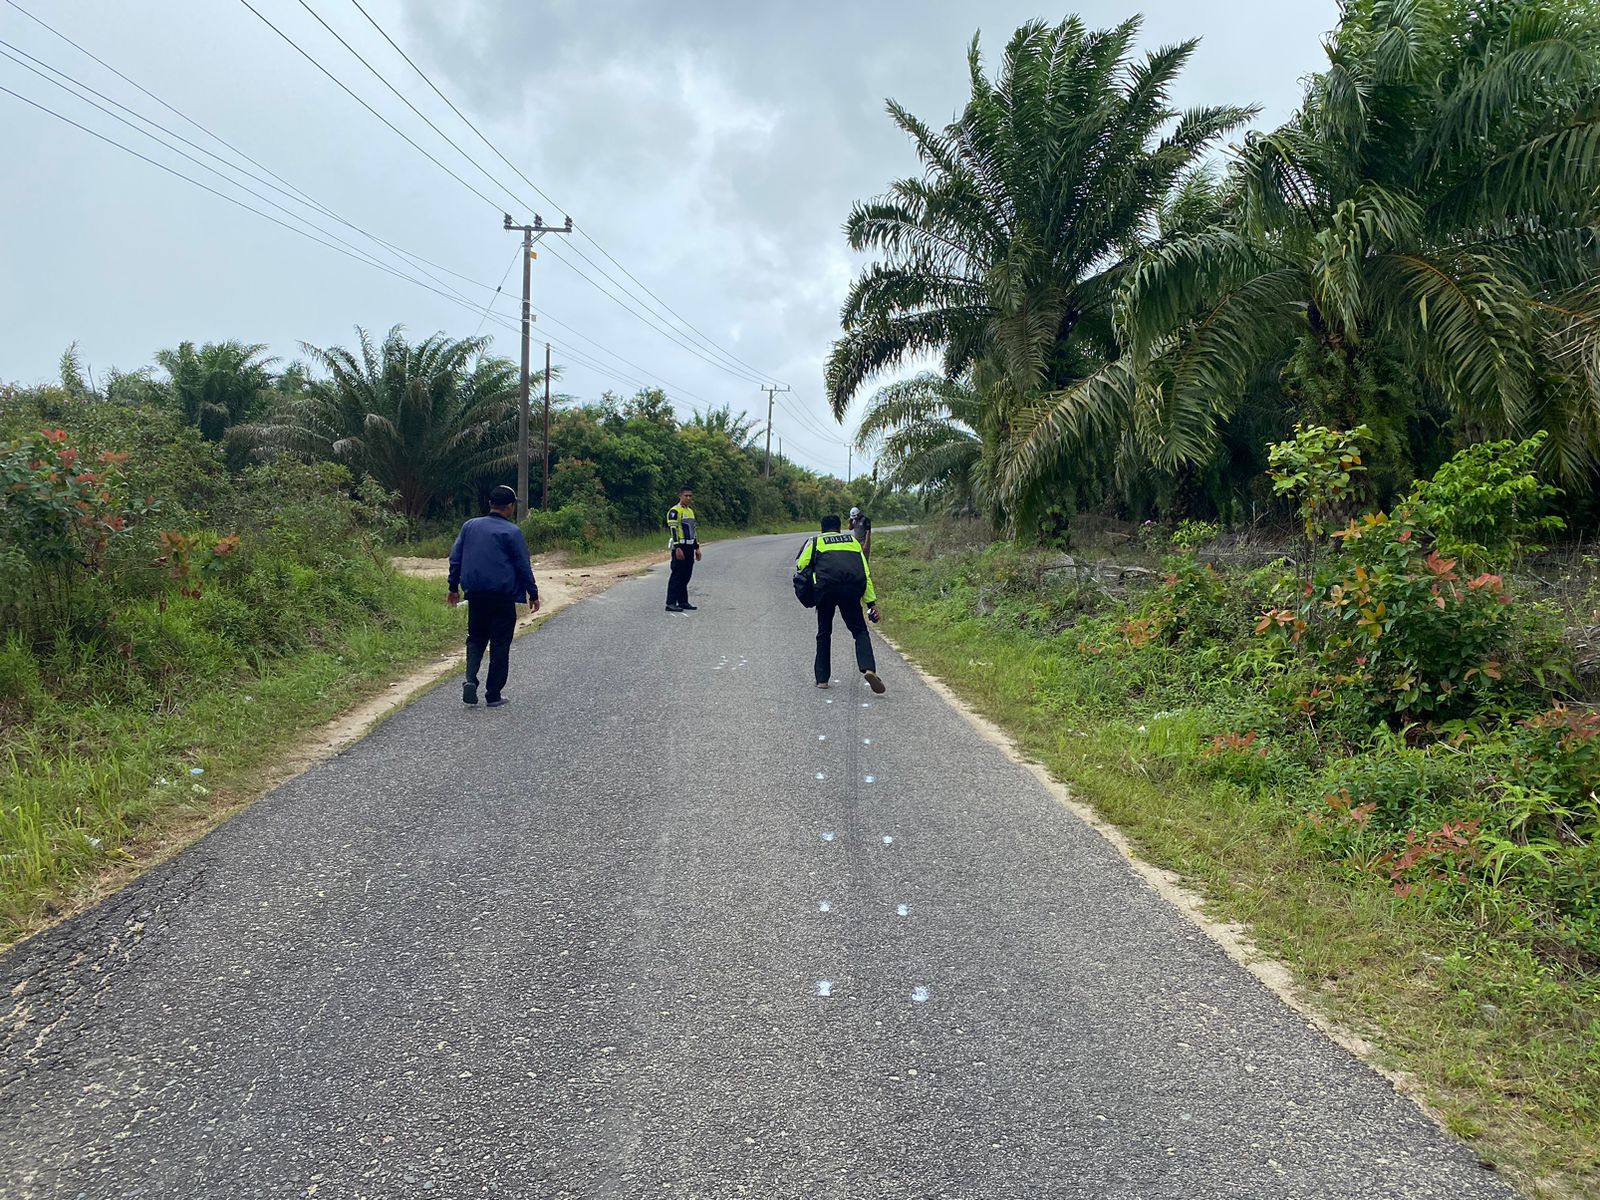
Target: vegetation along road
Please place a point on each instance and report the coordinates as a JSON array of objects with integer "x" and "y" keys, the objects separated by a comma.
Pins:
[{"x": 792, "y": 943}]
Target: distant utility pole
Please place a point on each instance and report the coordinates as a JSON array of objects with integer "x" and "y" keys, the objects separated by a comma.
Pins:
[
  {"x": 771, "y": 390},
  {"x": 528, "y": 238},
  {"x": 544, "y": 494},
  {"x": 849, "y": 460}
]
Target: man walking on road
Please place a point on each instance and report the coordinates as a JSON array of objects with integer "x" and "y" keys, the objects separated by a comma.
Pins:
[
  {"x": 861, "y": 526},
  {"x": 490, "y": 558},
  {"x": 839, "y": 571},
  {"x": 685, "y": 548}
]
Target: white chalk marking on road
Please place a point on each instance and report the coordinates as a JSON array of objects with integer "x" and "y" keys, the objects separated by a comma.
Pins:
[
  {"x": 866, "y": 704},
  {"x": 821, "y": 775},
  {"x": 887, "y": 840},
  {"x": 903, "y": 910},
  {"x": 824, "y": 987},
  {"x": 828, "y": 701},
  {"x": 828, "y": 837},
  {"x": 919, "y": 994},
  {"x": 869, "y": 779},
  {"x": 824, "y": 906},
  {"x": 866, "y": 741},
  {"x": 822, "y": 737}
]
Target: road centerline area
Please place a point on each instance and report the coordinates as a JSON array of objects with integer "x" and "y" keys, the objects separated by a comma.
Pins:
[{"x": 660, "y": 929}]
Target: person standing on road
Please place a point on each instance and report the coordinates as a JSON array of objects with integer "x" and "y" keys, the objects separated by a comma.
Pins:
[
  {"x": 838, "y": 570},
  {"x": 685, "y": 549},
  {"x": 861, "y": 526},
  {"x": 490, "y": 559}
]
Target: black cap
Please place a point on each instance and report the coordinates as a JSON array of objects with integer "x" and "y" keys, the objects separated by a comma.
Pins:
[{"x": 502, "y": 495}]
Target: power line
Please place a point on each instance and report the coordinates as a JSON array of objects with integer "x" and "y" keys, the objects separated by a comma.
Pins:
[
  {"x": 482, "y": 170},
  {"x": 601, "y": 369},
  {"x": 482, "y": 137},
  {"x": 645, "y": 317},
  {"x": 489, "y": 307},
  {"x": 288, "y": 190}
]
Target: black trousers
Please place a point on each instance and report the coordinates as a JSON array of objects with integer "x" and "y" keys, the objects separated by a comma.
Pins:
[
  {"x": 678, "y": 580},
  {"x": 491, "y": 620},
  {"x": 848, "y": 607}
]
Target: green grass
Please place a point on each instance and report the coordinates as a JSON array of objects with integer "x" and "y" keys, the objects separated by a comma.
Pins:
[
  {"x": 1506, "y": 1046},
  {"x": 88, "y": 788}
]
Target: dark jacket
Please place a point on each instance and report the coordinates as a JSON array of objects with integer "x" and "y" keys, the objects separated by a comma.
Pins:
[
  {"x": 838, "y": 567},
  {"x": 491, "y": 557}
]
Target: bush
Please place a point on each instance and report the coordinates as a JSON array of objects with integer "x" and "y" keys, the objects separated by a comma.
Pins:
[
  {"x": 578, "y": 526},
  {"x": 1397, "y": 629}
]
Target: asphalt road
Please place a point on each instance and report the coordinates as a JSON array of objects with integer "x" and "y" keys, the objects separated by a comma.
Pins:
[{"x": 575, "y": 948}]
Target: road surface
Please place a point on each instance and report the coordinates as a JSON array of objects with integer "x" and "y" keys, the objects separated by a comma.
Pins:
[{"x": 577, "y": 947}]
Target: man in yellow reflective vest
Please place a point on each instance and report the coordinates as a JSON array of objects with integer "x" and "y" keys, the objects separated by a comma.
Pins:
[
  {"x": 684, "y": 546},
  {"x": 839, "y": 571}
]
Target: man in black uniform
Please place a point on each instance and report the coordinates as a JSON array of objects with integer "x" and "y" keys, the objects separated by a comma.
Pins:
[
  {"x": 839, "y": 570},
  {"x": 684, "y": 545}
]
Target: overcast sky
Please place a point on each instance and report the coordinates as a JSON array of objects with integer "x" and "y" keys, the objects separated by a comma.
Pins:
[{"x": 712, "y": 148}]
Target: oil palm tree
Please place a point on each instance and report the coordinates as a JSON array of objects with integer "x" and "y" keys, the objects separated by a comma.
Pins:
[
  {"x": 1432, "y": 205},
  {"x": 1004, "y": 257},
  {"x": 423, "y": 420},
  {"x": 218, "y": 386},
  {"x": 928, "y": 435}
]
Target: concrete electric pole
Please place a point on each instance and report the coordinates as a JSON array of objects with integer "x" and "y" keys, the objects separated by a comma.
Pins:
[
  {"x": 771, "y": 390},
  {"x": 529, "y": 233}
]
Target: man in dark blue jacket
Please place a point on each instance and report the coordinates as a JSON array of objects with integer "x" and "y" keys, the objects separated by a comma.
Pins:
[{"x": 490, "y": 559}]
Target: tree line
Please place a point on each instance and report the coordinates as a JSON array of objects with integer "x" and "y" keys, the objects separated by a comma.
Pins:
[
  {"x": 432, "y": 425},
  {"x": 1125, "y": 318}
]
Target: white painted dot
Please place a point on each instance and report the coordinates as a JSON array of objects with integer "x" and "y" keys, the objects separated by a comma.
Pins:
[
  {"x": 828, "y": 701},
  {"x": 866, "y": 704},
  {"x": 866, "y": 741},
  {"x": 822, "y": 737},
  {"x": 869, "y": 779},
  {"x": 828, "y": 837},
  {"x": 887, "y": 840},
  {"x": 824, "y": 987},
  {"x": 824, "y": 906},
  {"x": 919, "y": 994},
  {"x": 820, "y": 775},
  {"x": 903, "y": 910}
]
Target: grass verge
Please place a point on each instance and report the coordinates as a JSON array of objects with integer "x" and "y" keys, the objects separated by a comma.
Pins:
[
  {"x": 90, "y": 791},
  {"x": 1505, "y": 1047}
]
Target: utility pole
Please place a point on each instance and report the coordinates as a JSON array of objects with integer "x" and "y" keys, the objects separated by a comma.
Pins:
[
  {"x": 528, "y": 231},
  {"x": 771, "y": 390},
  {"x": 849, "y": 461},
  {"x": 544, "y": 494}
]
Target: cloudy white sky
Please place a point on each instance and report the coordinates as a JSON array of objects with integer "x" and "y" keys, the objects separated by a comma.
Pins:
[{"x": 712, "y": 147}]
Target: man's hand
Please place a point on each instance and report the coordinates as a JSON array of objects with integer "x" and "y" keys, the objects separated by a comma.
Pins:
[
  {"x": 677, "y": 553},
  {"x": 533, "y": 606},
  {"x": 872, "y": 613},
  {"x": 697, "y": 554},
  {"x": 453, "y": 599}
]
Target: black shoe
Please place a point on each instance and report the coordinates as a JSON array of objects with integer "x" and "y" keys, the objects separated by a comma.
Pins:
[
  {"x": 688, "y": 608},
  {"x": 497, "y": 702},
  {"x": 469, "y": 693},
  {"x": 674, "y": 608},
  {"x": 873, "y": 681}
]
